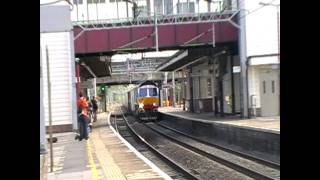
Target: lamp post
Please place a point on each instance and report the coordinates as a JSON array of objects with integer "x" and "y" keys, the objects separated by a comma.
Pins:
[{"x": 49, "y": 109}]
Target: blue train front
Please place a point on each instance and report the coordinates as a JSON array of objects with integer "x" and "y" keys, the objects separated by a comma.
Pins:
[{"x": 143, "y": 101}]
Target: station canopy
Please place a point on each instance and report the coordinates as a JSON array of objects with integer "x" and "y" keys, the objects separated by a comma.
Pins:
[
  {"x": 94, "y": 66},
  {"x": 187, "y": 57}
]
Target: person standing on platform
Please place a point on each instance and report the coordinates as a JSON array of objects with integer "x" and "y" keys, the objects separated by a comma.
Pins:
[
  {"x": 94, "y": 105},
  {"x": 83, "y": 117}
]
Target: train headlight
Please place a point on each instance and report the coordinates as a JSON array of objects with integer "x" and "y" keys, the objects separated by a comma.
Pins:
[
  {"x": 141, "y": 105},
  {"x": 154, "y": 104}
]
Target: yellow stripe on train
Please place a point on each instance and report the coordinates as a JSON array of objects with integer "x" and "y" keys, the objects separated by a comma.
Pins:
[{"x": 148, "y": 100}]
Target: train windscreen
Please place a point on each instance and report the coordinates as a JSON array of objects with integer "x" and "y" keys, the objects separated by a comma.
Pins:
[
  {"x": 153, "y": 92},
  {"x": 143, "y": 92}
]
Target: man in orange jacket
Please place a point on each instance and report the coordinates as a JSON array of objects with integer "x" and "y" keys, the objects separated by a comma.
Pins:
[{"x": 82, "y": 117}]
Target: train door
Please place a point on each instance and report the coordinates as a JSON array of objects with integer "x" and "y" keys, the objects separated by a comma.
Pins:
[{"x": 270, "y": 91}]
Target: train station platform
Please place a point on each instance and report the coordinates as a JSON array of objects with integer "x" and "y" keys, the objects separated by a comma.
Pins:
[
  {"x": 104, "y": 156},
  {"x": 259, "y": 123},
  {"x": 258, "y": 137}
]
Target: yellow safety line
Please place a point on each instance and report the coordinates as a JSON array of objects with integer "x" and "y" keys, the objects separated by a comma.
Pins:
[
  {"x": 91, "y": 162},
  {"x": 103, "y": 168}
]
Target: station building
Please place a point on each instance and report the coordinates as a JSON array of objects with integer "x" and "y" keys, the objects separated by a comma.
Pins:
[{"x": 212, "y": 75}]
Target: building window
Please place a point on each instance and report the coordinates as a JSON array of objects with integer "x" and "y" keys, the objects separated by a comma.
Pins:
[
  {"x": 115, "y": 0},
  {"x": 185, "y": 7},
  {"x": 164, "y": 6},
  {"x": 272, "y": 86},
  {"x": 264, "y": 87},
  {"x": 209, "y": 87},
  {"x": 158, "y": 6},
  {"x": 77, "y": 2},
  {"x": 168, "y": 7},
  {"x": 142, "y": 11}
]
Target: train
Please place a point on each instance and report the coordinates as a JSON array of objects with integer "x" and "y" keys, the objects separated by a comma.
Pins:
[{"x": 143, "y": 101}]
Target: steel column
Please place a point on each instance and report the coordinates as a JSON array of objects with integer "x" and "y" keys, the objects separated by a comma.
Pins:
[
  {"x": 173, "y": 90},
  {"x": 243, "y": 62},
  {"x": 42, "y": 117},
  {"x": 49, "y": 109}
]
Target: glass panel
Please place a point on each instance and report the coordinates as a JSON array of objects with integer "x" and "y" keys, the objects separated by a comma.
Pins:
[
  {"x": 143, "y": 92},
  {"x": 142, "y": 11},
  {"x": 159, "y": 6},
  {"x": 183, "y": 7},
  {"x": 191, "y": 7},
  {"x": 168, "y": 6},
  {"x": 153, "y": 92}
]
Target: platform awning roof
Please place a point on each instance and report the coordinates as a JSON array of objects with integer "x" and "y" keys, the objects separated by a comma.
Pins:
[
  {"x": 184, "y": 58},
  {"x": 94, "y": 66},
  {"x": 187, "y": 57}
]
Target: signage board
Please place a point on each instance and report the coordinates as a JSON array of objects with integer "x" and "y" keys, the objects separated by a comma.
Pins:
[{"x": 236, "y": 69}]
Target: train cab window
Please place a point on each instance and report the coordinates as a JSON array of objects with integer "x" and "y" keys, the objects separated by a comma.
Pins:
[
  {"x": 143, "y": 92},
  {"x": 153, "y": 92}
]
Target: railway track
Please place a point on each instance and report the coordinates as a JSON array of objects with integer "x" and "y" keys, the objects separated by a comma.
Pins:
[
  {"x": 241, "y": 154},
  {"x": 190, "y": 157},
  {"x": 119, "y": 124},
  {"x": 256, "y": 168}
]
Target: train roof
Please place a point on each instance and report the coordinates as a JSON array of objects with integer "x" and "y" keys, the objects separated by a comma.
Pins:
[
  {"x": 142, "y": 84},
  {"x": 148, "y": 83}
]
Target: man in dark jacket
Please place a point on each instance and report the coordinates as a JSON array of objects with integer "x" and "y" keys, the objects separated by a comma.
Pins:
[{"x": 94, "y": 108}]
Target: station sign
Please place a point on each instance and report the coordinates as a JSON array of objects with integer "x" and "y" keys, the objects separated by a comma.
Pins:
[{"x": 236, "y": 69}]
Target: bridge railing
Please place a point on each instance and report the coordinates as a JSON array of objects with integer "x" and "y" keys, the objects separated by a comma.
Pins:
[{"x": 149, "y": 20}]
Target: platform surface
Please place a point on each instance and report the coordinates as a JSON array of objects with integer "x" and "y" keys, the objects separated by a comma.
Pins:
[
  {"x": 267, "y": 123},
  {"x": 104, "y": 156}
]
